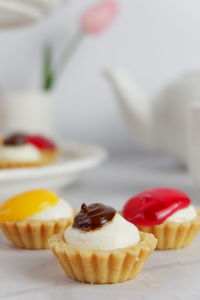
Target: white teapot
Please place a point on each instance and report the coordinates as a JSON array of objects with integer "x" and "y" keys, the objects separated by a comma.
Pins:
[{"x": 170, "y": 121}]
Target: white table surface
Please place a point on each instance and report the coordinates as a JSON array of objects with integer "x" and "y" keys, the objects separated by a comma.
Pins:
[{"x": 30, "y": 275}]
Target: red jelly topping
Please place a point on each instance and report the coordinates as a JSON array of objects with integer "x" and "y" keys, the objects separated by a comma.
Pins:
[
  {"x": 41, "y": 142},
  {"x": 154, "y": 206}
]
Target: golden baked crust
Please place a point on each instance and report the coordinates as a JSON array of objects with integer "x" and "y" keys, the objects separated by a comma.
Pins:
[
  {"x": 174, "y": 235},
  {"x": 101, "y": 266},
  {"x": 49, "y": 156},
  {"x": 33, "y": 234},
  {"x": 13, "y": 165}
]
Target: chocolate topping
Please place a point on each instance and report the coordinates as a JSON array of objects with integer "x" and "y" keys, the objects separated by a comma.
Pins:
[
  {"x": 15, "y": 139},
  {"x": 93, "y": 216}
]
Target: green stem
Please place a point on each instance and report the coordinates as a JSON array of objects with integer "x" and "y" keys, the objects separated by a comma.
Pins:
[
  {"x": 52, "y": 73},
  {"x": 68, "y": 52},
  {"x": 48, "y": 73}
]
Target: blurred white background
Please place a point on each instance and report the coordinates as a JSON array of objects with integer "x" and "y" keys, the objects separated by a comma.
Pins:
[{"x": 155, "y": 41}]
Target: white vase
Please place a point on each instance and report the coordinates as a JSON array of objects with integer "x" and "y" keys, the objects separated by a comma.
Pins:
[{"x": 27, "y": 111}]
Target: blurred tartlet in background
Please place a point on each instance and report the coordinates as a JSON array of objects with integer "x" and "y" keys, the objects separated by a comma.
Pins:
[{"x": 26, "y": 150}]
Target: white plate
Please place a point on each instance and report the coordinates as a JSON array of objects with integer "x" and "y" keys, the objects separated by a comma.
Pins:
[{"x": 74, "y": 159}]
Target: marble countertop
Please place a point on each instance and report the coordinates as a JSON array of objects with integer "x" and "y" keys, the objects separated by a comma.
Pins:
[{"x": 174, "y": 275}]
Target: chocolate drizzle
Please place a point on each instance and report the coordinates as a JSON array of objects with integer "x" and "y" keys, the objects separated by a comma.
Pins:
[
  {"x": 15, "y": 139},
  {"x": 93, "y": 216}
]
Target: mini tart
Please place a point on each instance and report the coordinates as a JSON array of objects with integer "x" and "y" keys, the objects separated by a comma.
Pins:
[
  {"x": 47, "y": 149},
  {"x": 22, "y": 230},
  {"x": 150, "y": 209},
  {"x": 101, "y": 266},
  {"x": 174, "y": 235},
  {"x": 33, "y": 234}
]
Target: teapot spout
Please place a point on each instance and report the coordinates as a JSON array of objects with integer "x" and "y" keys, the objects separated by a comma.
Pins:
[{"x": 135, "y": 106}]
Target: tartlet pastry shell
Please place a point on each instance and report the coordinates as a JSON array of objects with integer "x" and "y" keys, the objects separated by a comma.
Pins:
[
  {"x": 174, "y": 235},
  {"x": 33, "y": 234},
  {"x": 49, "y": 156},
  {"x": 100, "y": 266}
]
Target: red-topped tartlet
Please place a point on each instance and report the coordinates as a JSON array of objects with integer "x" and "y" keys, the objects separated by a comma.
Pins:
[
  {"x": 26, "y": 150},
  {"x": 167, "y": 213}
]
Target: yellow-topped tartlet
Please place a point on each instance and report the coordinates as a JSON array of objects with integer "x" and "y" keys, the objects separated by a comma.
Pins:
[{"x": 31, "y": 218}]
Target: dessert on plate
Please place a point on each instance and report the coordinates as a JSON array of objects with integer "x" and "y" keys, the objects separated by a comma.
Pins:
[
  {"x": 167, "y": 213},
  {"x": 101, "y": 246},
  {"x": 26, "y": 150},
  {"x": 29, "y": 219}
]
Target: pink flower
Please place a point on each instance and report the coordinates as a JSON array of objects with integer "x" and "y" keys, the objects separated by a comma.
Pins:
[{"x": 98, "y": 17}]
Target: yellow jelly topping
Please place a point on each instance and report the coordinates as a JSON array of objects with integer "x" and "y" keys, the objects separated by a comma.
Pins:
[{"x": 27, "y": 204}]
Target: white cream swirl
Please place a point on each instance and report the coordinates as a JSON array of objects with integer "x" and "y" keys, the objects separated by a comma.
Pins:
[
  {"x": 61, "y": 210},
  {"x": 117, "y": 233},
  {"x": 19, "y": 153},
  {"x": 183, "y": 215}
]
